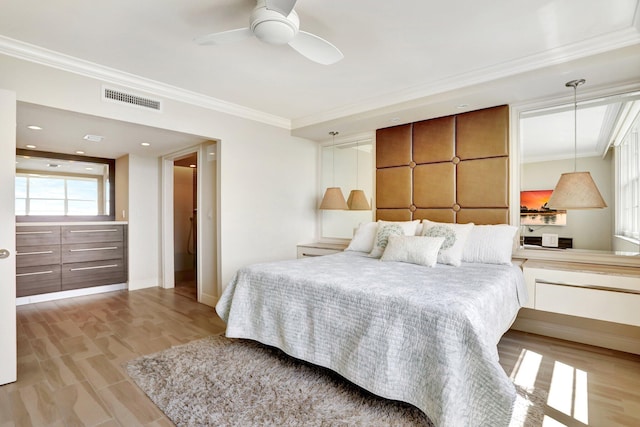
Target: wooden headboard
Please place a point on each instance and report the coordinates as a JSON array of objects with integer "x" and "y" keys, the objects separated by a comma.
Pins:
[{"x": 449, "y": 169}]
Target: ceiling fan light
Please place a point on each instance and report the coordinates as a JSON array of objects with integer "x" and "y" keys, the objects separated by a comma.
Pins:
[
  {"x": 576, "y": 190},
  {"x": 274, "y": 32},
  {"x": 357, "y": 201},
  {"x": 333, "y": 199},
  {"x": 272, "y": 27}
]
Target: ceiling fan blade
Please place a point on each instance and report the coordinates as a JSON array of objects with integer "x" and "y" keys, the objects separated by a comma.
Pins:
[
  {"x": 225, "y": 36},
  {"x": 282, "y": 6},
  {"x": 315, "y": 48}
]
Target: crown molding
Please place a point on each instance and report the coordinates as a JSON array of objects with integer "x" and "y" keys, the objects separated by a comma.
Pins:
[
  {"x": 50, "y": 58},
  {"x": 563, "y": 54}
]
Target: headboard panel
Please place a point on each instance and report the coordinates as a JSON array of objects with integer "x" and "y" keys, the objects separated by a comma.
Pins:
[{"x": 449, "y": 169}]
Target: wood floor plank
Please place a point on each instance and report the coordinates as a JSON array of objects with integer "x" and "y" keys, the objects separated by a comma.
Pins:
[{"x": 71, "y": 351}]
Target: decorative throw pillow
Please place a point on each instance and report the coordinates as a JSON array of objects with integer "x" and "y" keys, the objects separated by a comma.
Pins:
[
  {"x": 408, "y": 227},
  {"x": 363, "y": 238},
  {"x": 455, "y": 237},
  {"x": 382, "y": 236},
  {"x": 419, "y": 250},
  {"x": 490, "y": 244}
]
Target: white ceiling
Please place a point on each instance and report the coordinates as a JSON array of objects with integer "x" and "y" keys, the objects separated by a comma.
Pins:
[{"x": 404, "y": 61}]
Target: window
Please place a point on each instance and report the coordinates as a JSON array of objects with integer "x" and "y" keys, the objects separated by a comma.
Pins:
[
  {"x": 628, "y": 180},
  {"x": 56, "y": 195}
]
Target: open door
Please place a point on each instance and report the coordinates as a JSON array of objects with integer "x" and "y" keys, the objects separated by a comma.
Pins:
[{"x": 8, "y": 355}]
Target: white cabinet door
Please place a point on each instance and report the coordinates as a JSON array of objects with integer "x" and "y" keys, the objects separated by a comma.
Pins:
[{"x": 8, "y": 361}]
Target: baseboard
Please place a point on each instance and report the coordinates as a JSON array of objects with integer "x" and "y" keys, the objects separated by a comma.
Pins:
[
  {"x": 209, "y": 300},
  {"x": 52, "y": 296},
  {"x": 586, "y": 331}
]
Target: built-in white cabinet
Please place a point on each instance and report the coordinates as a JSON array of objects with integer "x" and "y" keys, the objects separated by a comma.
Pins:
[
  {"x": 319, "y": 249},
  {"x": 602, "y": 302}
]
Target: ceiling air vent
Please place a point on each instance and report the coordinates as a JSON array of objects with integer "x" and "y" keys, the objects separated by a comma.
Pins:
[{"x": 128, "y": 98}]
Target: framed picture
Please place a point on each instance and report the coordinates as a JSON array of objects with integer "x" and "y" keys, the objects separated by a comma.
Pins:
[{"x": 534, "y": 210}]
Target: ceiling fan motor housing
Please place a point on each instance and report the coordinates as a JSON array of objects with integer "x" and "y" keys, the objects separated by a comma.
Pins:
[{"x": 272, "y": 27}]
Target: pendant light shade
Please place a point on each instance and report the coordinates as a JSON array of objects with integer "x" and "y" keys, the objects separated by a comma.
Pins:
[
  {"x": 576, "y": 190},
  {"x": 333, "y": 199},
  {"x": 357, "y": 201}
]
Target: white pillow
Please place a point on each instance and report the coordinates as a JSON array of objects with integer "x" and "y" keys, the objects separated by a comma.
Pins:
[
  {"x": 455, "y": 238},
  {"x": 390, "y": 228},
  {"x": 490, "y": 244},
  {"x": 419, "y": 250},
  {"x": 363, "y": 238}
]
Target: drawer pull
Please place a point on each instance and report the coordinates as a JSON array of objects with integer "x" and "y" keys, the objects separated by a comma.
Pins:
[
  {"x": 310, "y": 255},
  {"x": 97, "y": 267},
  {"x": 93, "y": 231},
  {"x": 94, "y": 249},
  {"x": 34, "y": 273},
  {"x": 34, "y": 232},
  {"x": 34, "y": 253}
]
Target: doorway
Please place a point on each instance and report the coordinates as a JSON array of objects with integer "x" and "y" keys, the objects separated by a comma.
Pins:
[{"x": 185, "y": 225}]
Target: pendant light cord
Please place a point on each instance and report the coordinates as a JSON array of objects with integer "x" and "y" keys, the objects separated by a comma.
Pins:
[
  {"x": 333, "y": 157},
  {"x": 574, "y": 84},
  {"x": 357, "y": 161}
]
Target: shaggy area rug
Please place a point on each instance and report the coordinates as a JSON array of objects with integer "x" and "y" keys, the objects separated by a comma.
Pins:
[{"x": 218, "y": 381}]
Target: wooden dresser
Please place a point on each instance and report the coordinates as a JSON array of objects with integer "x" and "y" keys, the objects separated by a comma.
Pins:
[{"x": 54, "y": 257}]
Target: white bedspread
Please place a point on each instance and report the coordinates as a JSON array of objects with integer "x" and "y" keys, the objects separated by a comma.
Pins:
[{"x": 426, "y": 336}]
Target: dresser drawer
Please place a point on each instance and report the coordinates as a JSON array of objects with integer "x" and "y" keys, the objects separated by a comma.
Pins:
[
  {"x": 31, "y": 256},
  {"x": 618, "y": 306},
  {"x": 319, "y": 249},
  {"x": 37, "y": 235},
  {"x": 81, "y": 252},
  {"x": 94, "y": 273},
  {"x": 37, "y": 280},
  {"x": 92, "y": 233}
]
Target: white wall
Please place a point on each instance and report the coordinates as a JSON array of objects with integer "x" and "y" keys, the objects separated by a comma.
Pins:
[
  {"x": 267, "y": 178},
  {"x": 144, "y": 222},
  {"x": 590, "y": 229}
]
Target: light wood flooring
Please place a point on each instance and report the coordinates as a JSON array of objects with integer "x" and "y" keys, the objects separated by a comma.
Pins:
[{"x": 70, "y": 354}]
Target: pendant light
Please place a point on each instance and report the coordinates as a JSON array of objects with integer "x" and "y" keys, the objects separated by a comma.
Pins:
[
  {"x": 357, "y": 200},
  {"x": 333, "y": 197},
  {"x": 576, "y": 190}
]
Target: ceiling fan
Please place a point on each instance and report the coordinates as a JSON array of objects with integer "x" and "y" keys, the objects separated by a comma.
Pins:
[{"x": 275, "y": 22}]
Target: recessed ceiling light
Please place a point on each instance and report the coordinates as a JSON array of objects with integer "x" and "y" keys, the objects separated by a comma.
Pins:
[
  {"x": 79, "y": 152},
  {"x": 34, "y": 127},
  {"x": 462, "y": 106},
  {"x": 192, "y": 166},
  {"x": 88, "y": 169},
  {"x": 93, "y": 138},
  {"x": 394, "y": 119},
  {"x": 145, "y": 144},
  {"x": 30, "y": 146}
]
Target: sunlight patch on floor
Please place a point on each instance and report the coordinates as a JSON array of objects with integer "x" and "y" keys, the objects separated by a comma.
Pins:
[
  {"x": 568, "y": 392},
  {"x": 526, "y": 370}
]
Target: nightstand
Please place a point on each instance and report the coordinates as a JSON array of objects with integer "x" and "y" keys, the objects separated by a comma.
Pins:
[{"x": 319, "y": 249}]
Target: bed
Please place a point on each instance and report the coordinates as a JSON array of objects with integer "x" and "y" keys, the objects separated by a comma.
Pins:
[{"x": 404, "y": 331}]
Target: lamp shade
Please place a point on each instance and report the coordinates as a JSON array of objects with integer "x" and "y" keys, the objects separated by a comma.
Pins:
[
  {"x": 576, "y": 190},
  {"x": 357, "y": 201},
  {"x": 333, "y": 199}
]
